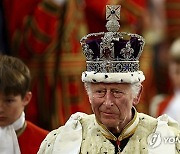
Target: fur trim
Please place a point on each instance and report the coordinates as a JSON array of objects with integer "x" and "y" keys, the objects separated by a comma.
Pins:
[{"x": 130, "y": 77}]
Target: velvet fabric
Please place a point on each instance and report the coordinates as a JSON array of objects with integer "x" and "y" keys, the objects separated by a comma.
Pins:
[{"x": 94, "y": 45}]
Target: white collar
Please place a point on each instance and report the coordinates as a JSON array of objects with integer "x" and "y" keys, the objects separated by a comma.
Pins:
[{"x": 8, "y": 138}]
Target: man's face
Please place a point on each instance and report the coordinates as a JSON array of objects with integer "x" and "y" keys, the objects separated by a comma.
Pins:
[
  {"x": 111, "y": 103},
  {"x": 11, "y": 108}
]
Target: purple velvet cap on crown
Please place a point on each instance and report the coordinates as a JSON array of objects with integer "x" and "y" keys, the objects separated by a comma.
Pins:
[{"x": 135, "y": 43}]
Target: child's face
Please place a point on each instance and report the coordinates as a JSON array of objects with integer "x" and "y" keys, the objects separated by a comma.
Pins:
[{"x": 11, "y": 107}]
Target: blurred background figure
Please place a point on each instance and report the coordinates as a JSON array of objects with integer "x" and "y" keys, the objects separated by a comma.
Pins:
[
  {"x": 170, "y": 104},
  {"x": 162, "y": 28}
]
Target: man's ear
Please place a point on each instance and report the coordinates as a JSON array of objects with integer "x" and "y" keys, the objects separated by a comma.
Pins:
[
  {"x": 27, "y": 98},
  {"x": 137, "y": 98}
]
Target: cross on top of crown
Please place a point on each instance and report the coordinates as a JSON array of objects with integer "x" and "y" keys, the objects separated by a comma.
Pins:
[
  {"x": 113, "y": 12},
  {"x": 112, "y": 15}
]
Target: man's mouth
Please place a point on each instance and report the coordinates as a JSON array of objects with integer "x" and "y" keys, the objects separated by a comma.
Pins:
[{"x": 108, "y": 114}]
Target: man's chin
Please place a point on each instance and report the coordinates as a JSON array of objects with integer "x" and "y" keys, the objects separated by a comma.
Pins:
[{"x": 108, "y": 122}]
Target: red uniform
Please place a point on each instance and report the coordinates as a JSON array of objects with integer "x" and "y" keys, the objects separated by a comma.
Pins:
[
  {"x": 31, "y": 138},
  {"x": 163, "y": 105},
  {"x": 171, "y": 106}
]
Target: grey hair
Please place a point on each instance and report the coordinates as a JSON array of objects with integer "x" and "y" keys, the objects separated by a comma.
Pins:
[
  {"x": 136, "y": 87},
  {"x": 87, "y": 87}
]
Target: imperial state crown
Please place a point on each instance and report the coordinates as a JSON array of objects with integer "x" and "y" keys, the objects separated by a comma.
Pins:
[{"x": 112, "y": 56}]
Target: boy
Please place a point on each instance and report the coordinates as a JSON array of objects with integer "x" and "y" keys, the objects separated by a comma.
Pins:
[{"x": 16, "y": 134}]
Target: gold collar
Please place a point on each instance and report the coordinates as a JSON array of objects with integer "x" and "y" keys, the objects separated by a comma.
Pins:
[{"x": 127, "y": 131}]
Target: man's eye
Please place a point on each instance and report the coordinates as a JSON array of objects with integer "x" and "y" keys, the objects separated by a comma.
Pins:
[
  {"x": 99, "y": 91},
  {"x": 117, "y": 92}
]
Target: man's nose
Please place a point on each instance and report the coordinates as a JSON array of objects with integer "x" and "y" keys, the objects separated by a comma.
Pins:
[{"x": 109, "y": 99}]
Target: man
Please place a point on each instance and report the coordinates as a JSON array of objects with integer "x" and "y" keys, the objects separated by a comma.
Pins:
[
  {"x": 113, "y": 84},
  {"x": 16, "y": 134}
]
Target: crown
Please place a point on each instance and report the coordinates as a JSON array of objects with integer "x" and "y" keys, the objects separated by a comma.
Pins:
[{"x": 112, "y": 56}]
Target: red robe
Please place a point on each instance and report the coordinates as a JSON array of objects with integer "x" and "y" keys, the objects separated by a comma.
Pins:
[
  {"x": 163, "y": 105},
  {"x": 31, "y": 138}
]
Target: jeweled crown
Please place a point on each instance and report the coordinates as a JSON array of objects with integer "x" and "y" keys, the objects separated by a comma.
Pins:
[{"x": 112, "y": 51}]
